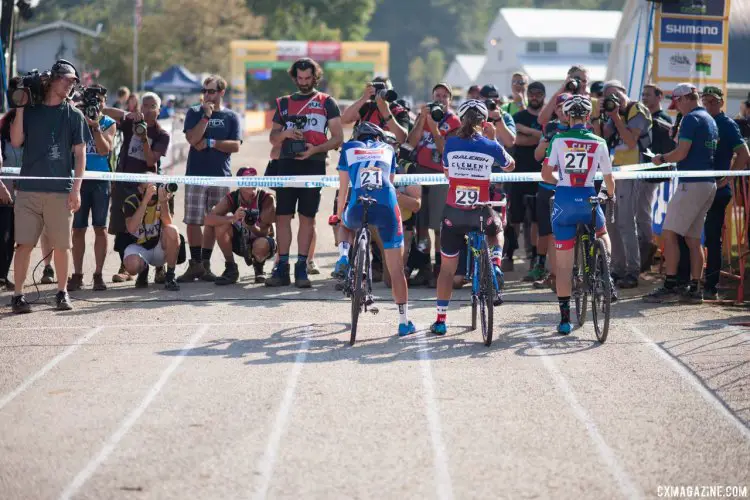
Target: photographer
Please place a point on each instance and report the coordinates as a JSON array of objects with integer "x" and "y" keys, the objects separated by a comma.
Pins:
[
  {"x": 505, "y": 127},
  {"x": 576, "y": 83},
  {"x": 243, "y": 222},
  {"x": 94, "y": 193},
  {"x": 300, "y": 127},
  {"x": 378, "y": 105},
  {"x": 156, "y": 239},
  {"x": 53, "y": 134},
  {"x": 628, "y": 132},
  {"x": 144, "y": 143}
]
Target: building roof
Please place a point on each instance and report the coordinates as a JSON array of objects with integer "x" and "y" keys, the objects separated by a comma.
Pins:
[
  {"x": 563, "y": 23},
  {"x": 738, "y": 71},
  {"x": 552, "y": 69},
  {"x": 57, "y": 25},
  {"x": 471, "y": 64}
]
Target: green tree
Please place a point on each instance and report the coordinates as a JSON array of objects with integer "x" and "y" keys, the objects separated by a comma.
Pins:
[{"x": 417, "y": 77}]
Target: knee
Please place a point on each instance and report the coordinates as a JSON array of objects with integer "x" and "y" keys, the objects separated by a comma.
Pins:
[
  {"x": 261, "y": 249},
  {"x": 100, "y": 232},
  {"x": 222, "y": 230},
  {"x": 133, "y": 264},
  {"x": 80, "y": 232},
  {"x": 171, "y": 233}
]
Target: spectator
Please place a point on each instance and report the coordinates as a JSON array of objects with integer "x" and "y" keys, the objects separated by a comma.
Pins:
[
  {"x": 505, "y": 128},
  {"x": 473, "y": 92},
  {"x": 214, "y": 134},
  {"x": 94, "y": 199},
  {"x": 168, "y": 110},
  {"x": 58, "y": 129},
  {"x": 597, "y": 89},
  {"x": 628, "y": 132},
  {"x": 156, "y": 239},
  {"x": 321, "y": 114},
  {"x": 580, "y": 75},
  {"x": 652, "y": 96},
  {"x": 518, "y": 83},
  {"x": 132, "y": 104},
  {"x": 11, "y": 157},
  {"x": 139, "y": 153},
  {"x": 123, "y": 95},
  {"x": 243, "y": 222},
  {"x": 686, "y": 211}
]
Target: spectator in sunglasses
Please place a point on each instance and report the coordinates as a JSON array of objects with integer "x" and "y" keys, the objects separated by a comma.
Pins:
[{"x": 518, "y": 84}]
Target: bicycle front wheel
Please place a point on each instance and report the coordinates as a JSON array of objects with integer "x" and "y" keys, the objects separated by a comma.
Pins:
[
  {"x": 358, "y": 291},
  {"x": 601, "y": 297},
  {"x": 580, "y": 294},
  {"x": 486, "y": 294}
]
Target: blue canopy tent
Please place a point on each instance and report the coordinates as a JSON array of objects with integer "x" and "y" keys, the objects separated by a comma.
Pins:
[{"x": 175, "y": 79}]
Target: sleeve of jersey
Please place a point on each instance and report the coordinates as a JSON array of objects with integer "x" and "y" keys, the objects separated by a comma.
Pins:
[
  {"x": 551, "y": 158},
  {"x": 687, "y": 129},
  {"x": 343, "y": 163},
  {"x": 604, "y": 161},
  {"x": 501, "y": 156},
  {"x": 453, "y": 124}
]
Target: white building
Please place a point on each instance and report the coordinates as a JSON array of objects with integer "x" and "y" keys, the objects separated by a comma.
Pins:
[
  {"x": 545, "y": 43},
  {"x": 41, "y": 46},
  {"x": 463, "y": 72}
]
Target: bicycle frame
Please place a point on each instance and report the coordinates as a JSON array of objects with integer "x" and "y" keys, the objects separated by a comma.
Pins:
[
  {"x": 363, "y": 233},
  {"x": 474, "y": 245},
  {"x": 586, "y": 233}
]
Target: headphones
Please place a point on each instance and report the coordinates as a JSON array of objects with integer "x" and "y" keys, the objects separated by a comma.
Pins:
[{"x": 57, "y": 68}]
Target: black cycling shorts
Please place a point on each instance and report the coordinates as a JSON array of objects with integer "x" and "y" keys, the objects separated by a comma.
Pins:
[
  {"x": 458, "y": 223},
  {"x": 544, "y": 199}
]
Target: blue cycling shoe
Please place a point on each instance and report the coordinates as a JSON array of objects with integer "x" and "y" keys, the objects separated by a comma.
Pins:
[
  {"x": 406, "y": 329},
  {"x": 564, "y": 328},
  {"x": 341, "y": 269},
  {"x": 439, "y": 328}
]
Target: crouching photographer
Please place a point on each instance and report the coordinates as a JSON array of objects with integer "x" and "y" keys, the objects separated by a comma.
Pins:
[
  {"x": 156, "y": 239},
  {"x": 243, "y": 222}
]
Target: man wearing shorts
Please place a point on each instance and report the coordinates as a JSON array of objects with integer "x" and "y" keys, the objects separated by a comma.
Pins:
[
  {"x": 214, "y": 133},
  {"x": 687, "y": 209}
]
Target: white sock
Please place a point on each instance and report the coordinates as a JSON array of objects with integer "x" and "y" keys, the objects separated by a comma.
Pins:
[
  {"x": 403, "y": 314},
  {"x": 344, "y": 249}
]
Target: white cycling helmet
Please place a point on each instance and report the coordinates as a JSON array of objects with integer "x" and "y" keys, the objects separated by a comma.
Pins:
[
  {"x": 474, "y": 104},
  {"x": 577, "y": 106}
]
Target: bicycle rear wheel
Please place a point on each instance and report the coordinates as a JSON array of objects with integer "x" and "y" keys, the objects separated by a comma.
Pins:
[
  {"x": 358, "y": 292},
  {"x": 601, "y": 297},
  {"x": 486, "y": 294},
  {"x": 580, "y": 292}
]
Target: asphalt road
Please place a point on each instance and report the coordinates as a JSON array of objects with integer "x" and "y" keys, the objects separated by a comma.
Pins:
[{"x": 250, "y": 392}]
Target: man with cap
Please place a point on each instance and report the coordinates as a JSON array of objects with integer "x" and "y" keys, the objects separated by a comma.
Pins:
[
  {"x": 243, "y": 221},
  {"x": 503, "y": 121},
  {"x": 54, "y": 135},
  {"x": 628, "y": 133},
  {"x": 428, "y": 140},
  {"x": 686, "y": 211}
]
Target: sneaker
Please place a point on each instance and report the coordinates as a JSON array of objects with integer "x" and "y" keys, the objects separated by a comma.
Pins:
[
  {"x": 628, "y": 282},
  {"x": 122, "y": 275},
  {"x": 341, "y": 269},
  {"x": 62, "y": 299},
  {"x": 279, "y": 276},
  {"x": 710, "y": 293},
  {"x": 692, "y": 296},
  {"x": 406, "y": 329},
  {"x": 48, "y": 275},
  {"x": 507, "y": 265},
  {"x": 260, "y": 275},
  {"x": 564, "y": 328},
  {"x": 230, "y": 275},
  {"x": 142, "y": 279},
  {"x": 300, "y": 276},
  {"x": 312, "y": 267},
  {"x": 99, "y": 284},
  {"x": 194, "y": 271},
  {"x": 208, "y": 275},
  {"x": 439, "y": 328},
  {"x": 20, "y": 305},
  {"x": 75, "y": 282},
  {"x": 536, "y": 274},
  {"x": 547, "y": 282},
  {"x": 160, "y": 275},
  {"x": 662, "y": 294},
  {"x": 170, "y": 283}
]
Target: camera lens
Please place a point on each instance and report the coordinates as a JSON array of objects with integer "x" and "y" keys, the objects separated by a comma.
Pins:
[
  {"x": 572, "y": 86},
  {"x": 436, "y": 112},
  {"x": 171, "y": 187}
]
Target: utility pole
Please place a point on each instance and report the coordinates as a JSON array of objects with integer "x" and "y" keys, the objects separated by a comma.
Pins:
[{"x": 138, "y": 6}]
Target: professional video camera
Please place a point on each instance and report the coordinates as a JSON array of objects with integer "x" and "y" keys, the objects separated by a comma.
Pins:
[
  {"x": 292, "y": 147},
  {"x": 91, "y": 102},
  {"x": 27, "y": 90},
  {"x": 611, "y": 103},
  {"x": 382, "y": 91},
  {"x": 437, "y": 111}
]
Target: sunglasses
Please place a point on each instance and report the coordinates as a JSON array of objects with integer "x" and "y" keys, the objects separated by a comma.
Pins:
[
  {"x": 519, "y": 82},
  {"x": 209, "y": 91}
]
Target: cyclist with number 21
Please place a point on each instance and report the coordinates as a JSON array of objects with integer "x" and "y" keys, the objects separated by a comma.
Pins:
[
  {"x": 576, "y": 154},
  {"x": 468, "y": 159},
  {"x": 370, "y": 164}
]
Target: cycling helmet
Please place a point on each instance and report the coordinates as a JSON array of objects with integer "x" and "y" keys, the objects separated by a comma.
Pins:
[
  {"x": 368, "y": 129},
  {"x": 477, "y": 105},
  {"x": 577, "y": 106}
]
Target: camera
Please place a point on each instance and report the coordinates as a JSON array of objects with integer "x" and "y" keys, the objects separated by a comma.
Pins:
[
  {"x": 573, "y": 86},
  {"x": 382, "y": 91},
  {"x": 169, "y": 187},
  {"x": 91, "y": 101},
  {"x": 251, "y": 217},
  {"x": 437, "y": 111},
  {"x": 611, "y": 103},
  {"x": 292, "y": 147},
  {"x": 491, "y": 105},
  {"x": 140, "y": 127},
  {"x": 27, "y": 90}
]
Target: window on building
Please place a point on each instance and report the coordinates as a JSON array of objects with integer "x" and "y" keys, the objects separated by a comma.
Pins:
[
  {"x": 533, "y": 47},
  {"x": 599, "y": 48},
  {"x": 549, "y": 47}
]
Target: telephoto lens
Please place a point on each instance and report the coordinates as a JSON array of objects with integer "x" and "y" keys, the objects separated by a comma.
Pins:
[
  {"x": 573, "y": 85},
  {"x": 436, "y": 111},
  {"x": 140, "y": 128},
  {"x": 171, "y": 187}
]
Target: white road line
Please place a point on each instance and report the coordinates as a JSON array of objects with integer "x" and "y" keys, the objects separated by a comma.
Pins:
[
  {"x": 46, "y": 368},
  {"x": 442, "y": 471},
  {"x": 267, "y": 463},
  {"x": 626, "y": 484},
  {"x": 131, "y": 419},
  {"x": 687, "y": 375}
]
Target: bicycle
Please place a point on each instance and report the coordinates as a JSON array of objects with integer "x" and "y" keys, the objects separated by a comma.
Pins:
[
  {"x": 591, "y": 274},
  {"x": 485, "y": 285}
]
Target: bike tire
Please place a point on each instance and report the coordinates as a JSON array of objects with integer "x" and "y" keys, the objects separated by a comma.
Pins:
[
  {"x": 486, "y": 294},
  {"x": 358, "y": 293},
  {"x": 580, "y": 293},
  {"x": 601, "y": 295}
]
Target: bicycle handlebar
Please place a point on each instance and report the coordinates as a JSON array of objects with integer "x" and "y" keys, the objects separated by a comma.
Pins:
[{"x": 501, "y": 203}]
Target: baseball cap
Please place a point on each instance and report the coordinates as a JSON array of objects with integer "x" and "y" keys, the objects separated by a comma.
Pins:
[
  {"x": 247, "y": 172},
  {"x": 683, "y": 89},
  {"x": 473, "y": 88},
  {"x": 489, "y": 92},
  {"x": 539, "y": 86},
  {"x": 613, "y": 84},
  {"x": 563, "y": 97},
  {"x": 597, "y": 87},
  {"x": 445, "y": 85},
  {"x": 64, "y": 69},
  {"x": 714, "y": 91}
]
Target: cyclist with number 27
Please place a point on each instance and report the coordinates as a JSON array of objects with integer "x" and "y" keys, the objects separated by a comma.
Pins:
[
  {"x": 370, "y": 165},
  {"x": 577, "y": 155},
  {"x": 468, "y": 159}
]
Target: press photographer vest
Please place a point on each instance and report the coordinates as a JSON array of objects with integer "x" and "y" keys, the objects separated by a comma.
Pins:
[
  {"x": 314, "y": 109},
  {"x": 235, "y": 201}
]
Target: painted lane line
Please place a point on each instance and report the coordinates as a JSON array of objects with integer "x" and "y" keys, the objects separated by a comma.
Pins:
[
  {"x": 443, "y": 482},
  {"x": 711, "y": 398},
  {"x": 624, "y": 481},
  {"x": 46, "y": 368},
  {"x": 90, "y": 468},
  {"x": 270, "y": 456}
]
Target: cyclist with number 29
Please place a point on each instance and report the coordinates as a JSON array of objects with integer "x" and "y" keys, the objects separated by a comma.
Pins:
[
  {"x": 577, "y": 155},
  {"x": 369, "y": 164},
  {"x": 468, "y": 159}
]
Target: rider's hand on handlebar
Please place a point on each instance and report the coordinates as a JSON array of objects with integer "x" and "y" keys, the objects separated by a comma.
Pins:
[{"x": 605, "y": 196}]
